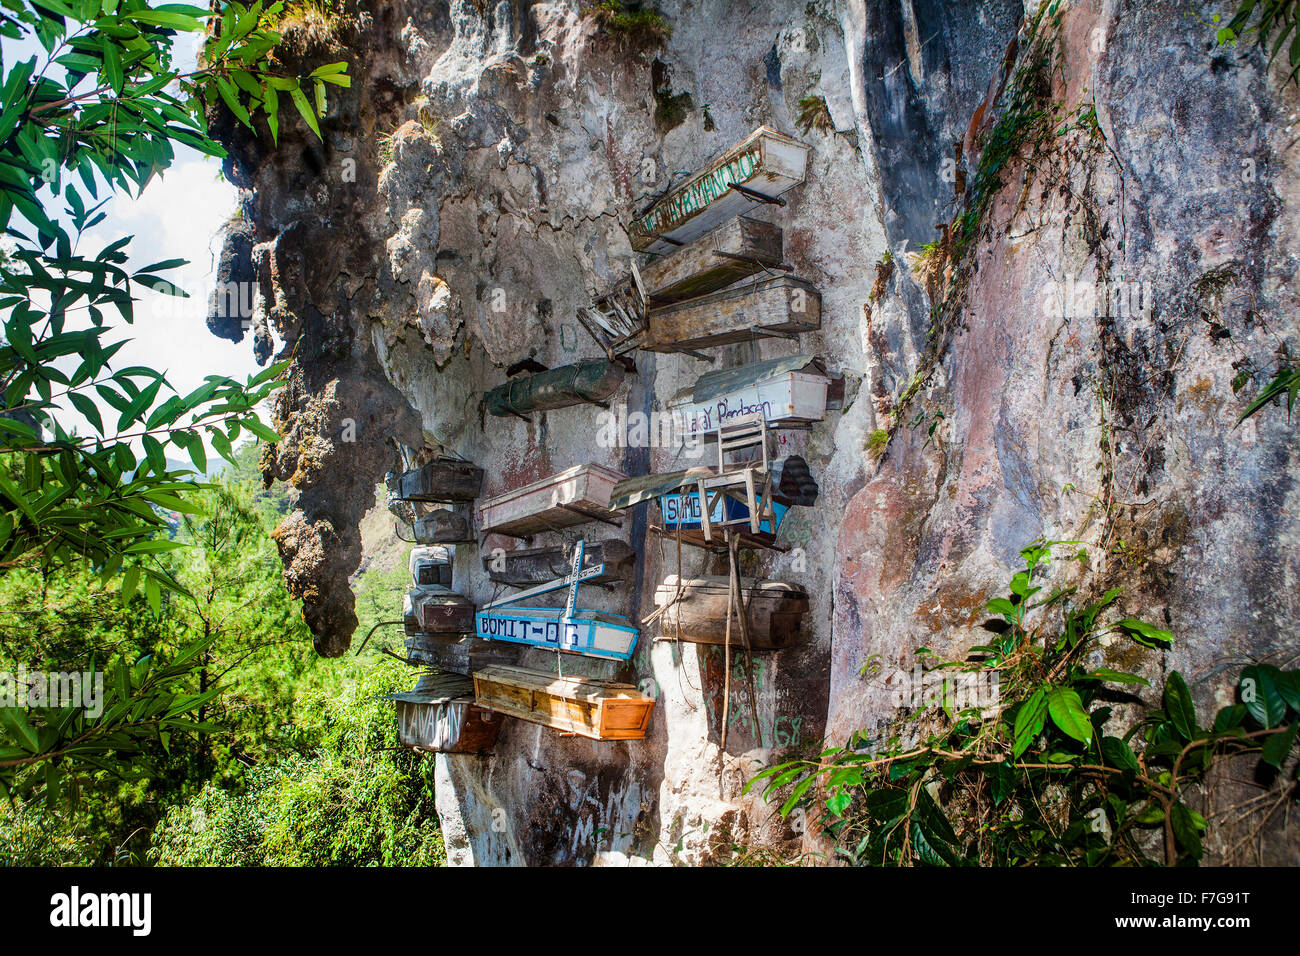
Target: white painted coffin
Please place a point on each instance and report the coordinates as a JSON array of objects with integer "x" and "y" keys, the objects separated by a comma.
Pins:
[
  {"x": 574, "y": 496},
  {"x": 765, "y": 161},
  {"x": 789, "y": 393}
]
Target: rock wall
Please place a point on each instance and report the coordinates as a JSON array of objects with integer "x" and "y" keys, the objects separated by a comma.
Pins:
[{"x": 1066, "y": 373}]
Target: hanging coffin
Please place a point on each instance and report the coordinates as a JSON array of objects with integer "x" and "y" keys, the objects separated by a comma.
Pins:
[
  {"x": 765, "y": 307},
  {"x": 574, "y": 496},
  {"x": 528, "y": 567},
  {"x": 584, "y": 383},
  {"x": 456, "y": 653},
  {"x": 758, "y": 169},
  {"x": 698, "y": 606},
  {"x": 441, "y": 480},
  {"x": 437, "y": 610},
  {"x": 588, "y": 706},
  {"x": 442, "y": 526},
  {"x": 790, "y": 392},
  {"x": 735, "y": 250},
  {"x": 439, "y": 716},
  {"x": 616, "y": 320},
  {"x": 683, "y": 510},
  {"x": 569, "y": 628},
  {"x": 430, "y": 565}
]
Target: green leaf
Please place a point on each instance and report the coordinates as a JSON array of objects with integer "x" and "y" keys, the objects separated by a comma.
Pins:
[
  {"x": 1144, "y": 633},
  {"x": 1278, "y": 746},
  {"x": 1029, "y": 721},
  {"x": 1118, "y": 753},
  {"x": 1068, "y": 713},
  {"x": 15, "y": 720},
  {"x": 1118, "y": 677},
  {"x": 1180, "y": 707},
  {"x": 304, "y": 108},
  {"x": 1260, "y": 694},
  {"x": 1187, "y": 825}
]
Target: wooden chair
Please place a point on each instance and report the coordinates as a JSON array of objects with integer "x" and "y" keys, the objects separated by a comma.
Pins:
[{"x": 748, "y": 482}]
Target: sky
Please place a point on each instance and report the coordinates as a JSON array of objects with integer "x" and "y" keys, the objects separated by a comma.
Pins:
[{"x": 178, "y": 215}]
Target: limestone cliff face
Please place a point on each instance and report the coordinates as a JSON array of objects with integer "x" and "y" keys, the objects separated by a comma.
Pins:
[{"x": 1067, "y": 372}]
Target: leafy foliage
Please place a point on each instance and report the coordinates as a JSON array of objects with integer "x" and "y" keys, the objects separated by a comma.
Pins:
[
  {"x": 357, "y": 800},
  {"x": 107, "y": 106},
  {"x": 1285, "y": 382},
  {"x": 1041, "y": 779},
  {"x": 630, "y": 28},
  {"x": 1277, "y": 24},
  {"x": 144, "y": 701}
]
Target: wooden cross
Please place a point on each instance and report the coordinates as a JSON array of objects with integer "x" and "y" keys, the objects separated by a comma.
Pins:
[{"x": 570, "y": 581}]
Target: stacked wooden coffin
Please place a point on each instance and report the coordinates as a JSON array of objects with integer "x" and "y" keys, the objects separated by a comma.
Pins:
[
  {"x": 438, "y": 622},
  {"x": 715, "y": 276},
  {"x": 695, "y": 610},
  {"x": 594, "y": 708},
  {"x": 571, "y": 497},
  {"x": 436, "y": 500}
]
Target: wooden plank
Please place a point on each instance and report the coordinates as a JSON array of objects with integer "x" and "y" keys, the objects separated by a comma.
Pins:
[
  {"x": 747, "y": 246},
  {"x": 527, "y": 567},
  {"x": 775, "y": 613},
  {"x": 571, "y": 497},
  {"x": 766, "y": 162},
  {"x": 783, "y": 305},
  {"x": 441, "y": 480},
  {"x": 695, "y": 538}
]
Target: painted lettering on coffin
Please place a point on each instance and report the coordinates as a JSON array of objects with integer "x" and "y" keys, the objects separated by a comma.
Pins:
[
  {"x": 699, "y": 194},
  {"x": 527, "y": 630},
  {"x": 706, "y": 419}
]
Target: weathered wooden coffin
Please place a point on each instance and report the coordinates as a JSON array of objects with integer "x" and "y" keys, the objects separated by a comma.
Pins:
[
  {"x": 443, "y": 480},
  {"x": 526, "y": 567},
  {"x": 735, "y": 250},
  {"x": 782, "y": 305},
  {"x": 616, "y": 320},
  {"x": 699, "y": 607},
  {"x": 790, "y": 392},
  {"x": 437, "y": 610},
  {"x": 765, "y": 162},
  {"x": 439, "y": 716},
  {"x": 574, "y": 496},
  {"x": 588, "y": 706},
  {"x": 442, "y": 526},
  {"x": 593, "y": 633},
  {"x": 430, "y": 565},
  {"x": 457, "y": 653},
  {"x": 589, "y": 382}
]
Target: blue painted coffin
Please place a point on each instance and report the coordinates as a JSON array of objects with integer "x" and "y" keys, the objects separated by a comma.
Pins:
[
  {"x": 686, "y": 509},
  {"x": 569, "y": 628},
  {"x": 594, "y": 633}
]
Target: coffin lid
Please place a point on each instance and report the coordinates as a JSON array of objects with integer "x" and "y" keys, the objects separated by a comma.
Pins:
[
  {"x": 436, "y": 594},
  {"x": 633, "y": 491},
  {"x": 436, "y": 687},
  {"x": 723, "y": 381},
  {"x": 722, "y": 584}
]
